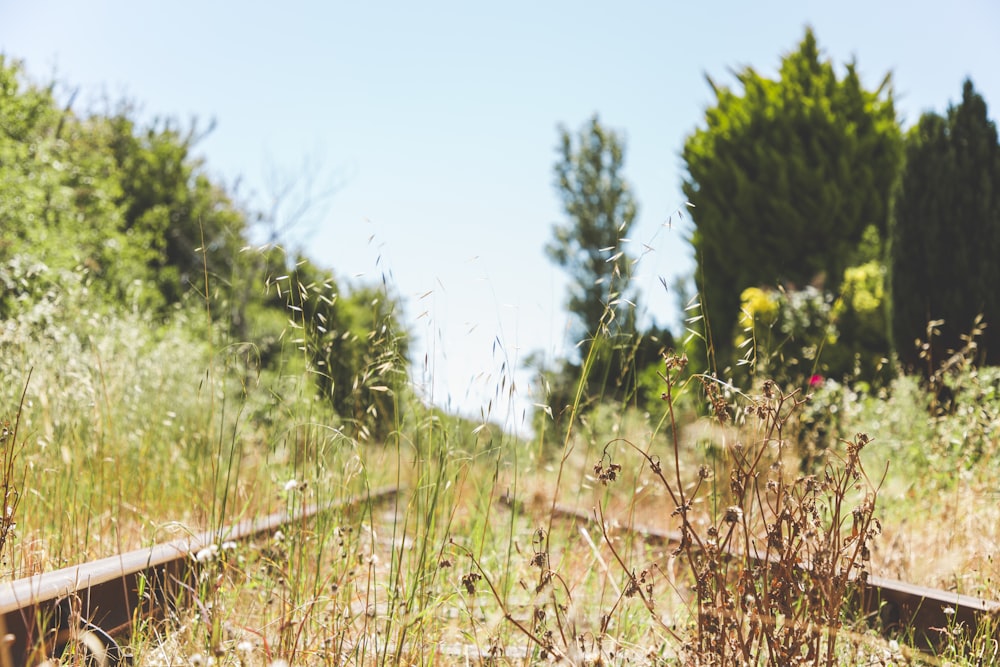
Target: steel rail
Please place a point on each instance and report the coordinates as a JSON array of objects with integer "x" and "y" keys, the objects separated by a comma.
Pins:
[
  {"x": 103, "y": 599},
  {"x": 920, "y": 613}
]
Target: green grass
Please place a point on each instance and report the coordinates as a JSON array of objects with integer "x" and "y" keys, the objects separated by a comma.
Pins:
[{"x": 133, "y": 430}]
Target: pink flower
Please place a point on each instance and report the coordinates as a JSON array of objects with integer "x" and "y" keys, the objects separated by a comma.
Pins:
[{"x": 815, "y": 380}]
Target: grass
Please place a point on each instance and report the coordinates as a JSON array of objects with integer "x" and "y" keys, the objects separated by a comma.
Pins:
[
  {"x": 124, "y": 431},
  {"x": 940, "y": 477}
]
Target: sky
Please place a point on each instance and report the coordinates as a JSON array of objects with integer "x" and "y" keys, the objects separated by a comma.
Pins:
[{"x": 423, "y": 134}]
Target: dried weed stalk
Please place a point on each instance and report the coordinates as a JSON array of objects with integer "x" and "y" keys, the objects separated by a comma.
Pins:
[{"x": 773, "y": 556}]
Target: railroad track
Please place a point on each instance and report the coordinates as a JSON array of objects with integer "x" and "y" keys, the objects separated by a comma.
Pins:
[
  {"x": 97, "y": 603},
  {"x": 897, "y": 605}
]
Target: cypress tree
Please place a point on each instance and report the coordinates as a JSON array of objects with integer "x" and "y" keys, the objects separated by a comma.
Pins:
[{"x": 945, "y": 236}]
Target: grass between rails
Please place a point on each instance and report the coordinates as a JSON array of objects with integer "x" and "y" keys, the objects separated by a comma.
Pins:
[{"x": 131, "y": 431}]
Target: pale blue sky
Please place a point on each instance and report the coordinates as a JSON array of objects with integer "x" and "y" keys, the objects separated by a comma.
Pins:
[{"x": 437, "y": 123}]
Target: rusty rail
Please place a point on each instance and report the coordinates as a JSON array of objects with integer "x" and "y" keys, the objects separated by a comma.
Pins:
[
  {"x": 897, "y": 606},
  {"x": 99, "y": 601}
]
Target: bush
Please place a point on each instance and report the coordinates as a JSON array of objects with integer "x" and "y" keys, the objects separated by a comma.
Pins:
[{"x": 795, "y": 336}]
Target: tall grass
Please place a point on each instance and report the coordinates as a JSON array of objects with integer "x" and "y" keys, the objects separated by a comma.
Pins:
[
  {"x": 11, "y": 474},
  {"x": 133, "y": 430}
]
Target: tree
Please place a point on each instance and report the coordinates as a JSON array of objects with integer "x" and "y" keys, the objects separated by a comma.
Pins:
[
  {"x": 945, "y": 236},
  {"x": 58, "y": 192},
  {"x": 785, "y": 179},
  {"x": 125, "y": 214},
  {"x": 601, "y": 210},
  {"x": 172, "y": 207},
  {"x": 130, "y": 204}
]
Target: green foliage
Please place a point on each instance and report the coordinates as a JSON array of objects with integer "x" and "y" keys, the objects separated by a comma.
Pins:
[
  {"x": 170, "y": 207},
  {"x": 945, "y": 237},
  {"x": 130, "y": 205},
  {"x": 356, "y": 347},
  {"x": 125, "y": 214},
  {"x": 785, "y": 179},
  {"x": 924, "y": 445},
  {"x": 861, "y": 318},
  {"x": 792, "y": 337},
  {"x": 57, "y": 195},
  {"x": 785, "y": 333},
  {"x": 620, "y": 369},
  {"x": 601, "y": 210}
]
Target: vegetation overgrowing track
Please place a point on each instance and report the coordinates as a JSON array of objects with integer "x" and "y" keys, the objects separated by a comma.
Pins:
[
  {"x": 95, "y": 604},
  {"x": 923, "y": 613}
]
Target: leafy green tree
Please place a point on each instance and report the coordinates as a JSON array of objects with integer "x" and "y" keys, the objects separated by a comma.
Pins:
[
  {"x": 945, "y": 239},
  {"x": 173, "y": 208},
  {"x": 58, "y": 191},
  {"x": 128, "y": 205},
  {"x": 785, "y": 178},
  {"x": 24, "y": 115},
  {"x": 601, "y": 210},
  {"x": 126, "y": 214}
]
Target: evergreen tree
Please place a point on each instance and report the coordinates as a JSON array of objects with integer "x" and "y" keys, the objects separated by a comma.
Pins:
[
  {"x": 601, "y": 210},
  {"x": 786, "y": 178},
  {"x": 945, "y": 240}
]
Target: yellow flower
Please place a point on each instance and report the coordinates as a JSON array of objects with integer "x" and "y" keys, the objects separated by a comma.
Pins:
[{"x": 758, "y": 306}]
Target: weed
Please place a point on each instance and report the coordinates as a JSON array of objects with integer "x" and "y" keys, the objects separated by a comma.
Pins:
[
  {"x": 766, "y": 556},
  {"x": 773, "y": 557},
  {"x": 938, "y": 372},
  {"x": 11, "y": 479}
]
